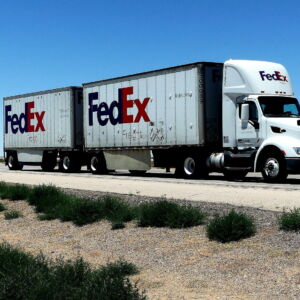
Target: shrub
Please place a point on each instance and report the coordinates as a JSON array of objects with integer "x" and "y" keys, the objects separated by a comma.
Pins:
[
  {"x": 23, "y": 276},
  {"x": 290, "y": 220},
  {"x": 12, "y": 214},
  {"x": 168, "y": 214},
  {"x": 53, "y": 203},
  {"x": 231, "y": 227},
  {"x": 2, "y": 207},
  {"x": 14, "y": 192}
]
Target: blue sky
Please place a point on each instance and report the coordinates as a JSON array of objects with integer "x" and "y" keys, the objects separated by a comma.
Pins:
[{"x": 57, "y": 43}]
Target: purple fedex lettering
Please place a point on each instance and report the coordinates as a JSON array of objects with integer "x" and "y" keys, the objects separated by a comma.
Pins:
[
  {"x": 275, "y": 76},
  {"x": 105, "y": 112}
]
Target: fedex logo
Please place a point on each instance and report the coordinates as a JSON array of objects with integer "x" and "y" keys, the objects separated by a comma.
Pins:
[
  {"x": 275, "y": 76},
  {"x": 105, "y": 113},
  {"x": 25, "y": 121}
]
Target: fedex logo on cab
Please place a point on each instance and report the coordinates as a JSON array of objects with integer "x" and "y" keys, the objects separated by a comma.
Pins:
[
  {"x": 27, "y": 121},
  {"x": 105, "y": 112}
]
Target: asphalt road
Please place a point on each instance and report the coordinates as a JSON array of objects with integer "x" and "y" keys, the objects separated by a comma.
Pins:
[{"x": 157, "y": 183}]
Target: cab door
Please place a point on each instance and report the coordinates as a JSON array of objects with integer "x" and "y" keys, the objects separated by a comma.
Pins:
[{"x": 248, "y": 134}]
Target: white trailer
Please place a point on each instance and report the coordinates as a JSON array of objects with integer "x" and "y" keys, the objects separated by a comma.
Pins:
[
  {"x": 40, "y": 126},
  {"x": 169, "y": 112}
]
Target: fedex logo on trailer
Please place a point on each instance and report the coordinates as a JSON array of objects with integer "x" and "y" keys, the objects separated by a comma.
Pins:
[
  {"x": 105, "y": 113},
  {"x": 24, "y": 122}
]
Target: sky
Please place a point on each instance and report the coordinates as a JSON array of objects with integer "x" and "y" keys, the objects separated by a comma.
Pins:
[{"x": 58, "y": 43}]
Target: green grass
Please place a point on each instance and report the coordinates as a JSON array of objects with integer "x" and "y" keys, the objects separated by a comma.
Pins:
[
  {"x": 2, "y": 207},
  {"x": 169, "y": 214},
  {"x": 12, "y": 214},
  {"x": 230, "y": 227},
  {"x": 51, "y": 203},
  {"x": 24, "y": 276},
  {"x": 14, "y": 192},
  {"x": 290, "y": 221}
]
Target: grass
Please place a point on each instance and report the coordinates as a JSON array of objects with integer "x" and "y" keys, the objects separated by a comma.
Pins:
[
  {"x": 12, "y": 214},
  {"x": 2, "y": 207},
  {"x": 14, "y": 192},
  {"x": 51, "y": 203},
  {"x": 24, "y": 276},
  {"x": 169, "y": 214},
  {"x": 230, "y": 227},
  {"x": 290, "y": 221}
]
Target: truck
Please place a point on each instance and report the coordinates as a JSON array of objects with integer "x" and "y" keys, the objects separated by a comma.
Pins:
[{"x": 234, "y": 117}]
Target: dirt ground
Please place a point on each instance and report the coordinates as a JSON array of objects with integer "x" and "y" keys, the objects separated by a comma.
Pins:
[{"x": 174, "y": 264}]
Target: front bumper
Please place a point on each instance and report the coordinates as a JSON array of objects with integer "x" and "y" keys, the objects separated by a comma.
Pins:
[{"x": 293, "y": 165}]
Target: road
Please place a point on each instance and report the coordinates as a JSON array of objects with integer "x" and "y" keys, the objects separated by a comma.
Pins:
[{"x": 251, "y": 192}]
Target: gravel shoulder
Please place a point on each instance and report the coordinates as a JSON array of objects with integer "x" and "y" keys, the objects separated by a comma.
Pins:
[{"x": 174, "y": 263}]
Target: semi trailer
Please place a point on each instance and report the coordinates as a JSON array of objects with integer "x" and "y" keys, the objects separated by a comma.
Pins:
[{"x": 234, "y": 117}]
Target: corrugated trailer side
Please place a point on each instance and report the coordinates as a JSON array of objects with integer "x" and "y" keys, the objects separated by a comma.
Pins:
[
  {"x": 42, "y": 121},
  {"x": 163, "y": 109}
]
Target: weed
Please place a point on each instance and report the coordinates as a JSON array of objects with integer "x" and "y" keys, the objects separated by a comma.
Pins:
[
  {"x": 231, "y": 227},
  {"x": 12, "y": 214},
  {"x": 168, "y": 214},
  {"x": 14, "y": 192},
  {"x": 2, "y": 207},
  {"x": 290, "y": 220},
  {"x": 23, "y": 276}
]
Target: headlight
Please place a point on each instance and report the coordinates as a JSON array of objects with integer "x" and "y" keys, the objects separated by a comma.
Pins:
[{"x": 297, "y": 150}]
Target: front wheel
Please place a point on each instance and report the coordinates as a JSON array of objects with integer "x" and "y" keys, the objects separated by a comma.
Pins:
[{"x": 274, "y": 168}]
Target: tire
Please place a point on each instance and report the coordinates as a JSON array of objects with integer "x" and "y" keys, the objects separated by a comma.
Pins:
[
  {"x": 274, "y": 167},
  {"x": 13, "y": 163},
  {"x": 70, "y": 163},
  {"x": 137, "y": 172},
  {"x": 235, "y": 175},
  {"x": 98, "y": 164},
  {"x": 192, "y": 167}
]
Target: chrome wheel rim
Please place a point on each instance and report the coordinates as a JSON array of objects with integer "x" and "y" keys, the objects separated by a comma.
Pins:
[
  {"x": 94, "y": 164},
  {"x": 10, "y": 161},
  {"x": 271, "y": 167},
  {"x": 189, "y": 166},
  {"x": 66, "y": 163}
]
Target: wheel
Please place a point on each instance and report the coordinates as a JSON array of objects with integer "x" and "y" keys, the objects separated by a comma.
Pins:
[
  {"x": 137, "y": 172},
  {"x": 235, "y": 174},
  {"x": 70, "y": 163},
  {"x": 13, "y": 163},
  {"x": 49, "y": 162},
  {"x": 98, "y": 164},
  {"x": 192, "y": 167},
  {"x": 274, "y": 167}
]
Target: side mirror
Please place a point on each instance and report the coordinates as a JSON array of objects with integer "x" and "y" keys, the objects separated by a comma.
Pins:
[{"x": 245, "y": 115}]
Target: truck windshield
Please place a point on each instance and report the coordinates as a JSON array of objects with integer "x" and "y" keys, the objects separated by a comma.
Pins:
[{"x": 279, "y": 107}]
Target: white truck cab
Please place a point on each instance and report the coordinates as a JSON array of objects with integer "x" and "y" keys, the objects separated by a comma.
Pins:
[{"x": 261, "y": 119}]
